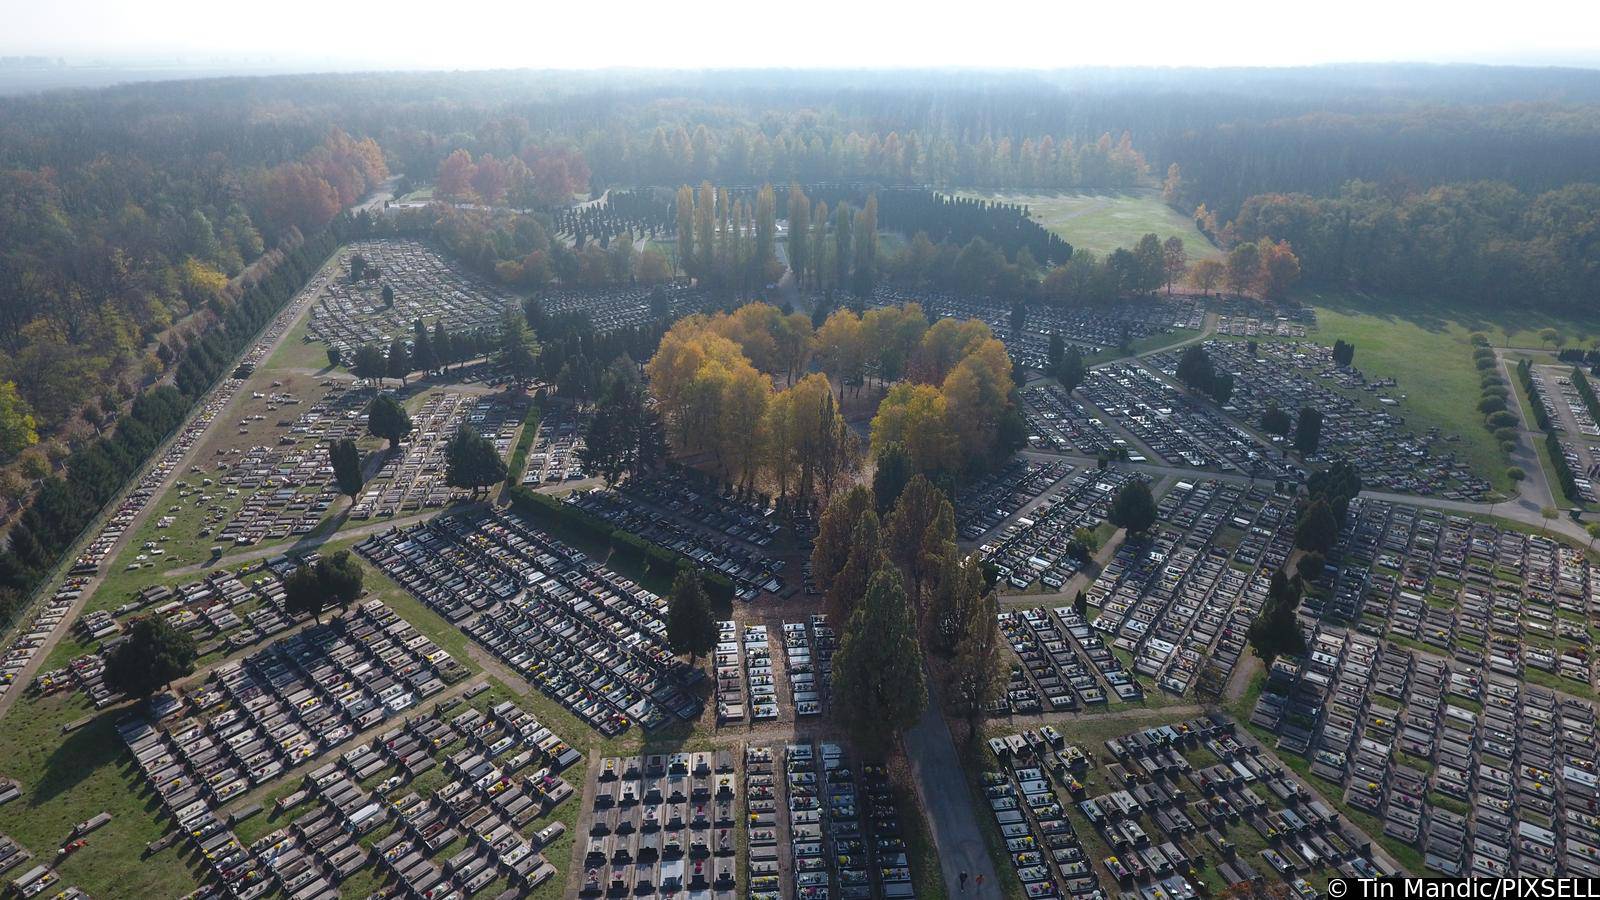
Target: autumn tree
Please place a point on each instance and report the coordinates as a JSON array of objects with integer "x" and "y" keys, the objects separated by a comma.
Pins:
[
  {"x": 1207, "y": 274},
  {"x": 1244, "y": 267},
  {"x": 1174, "y": 259},
  {"x": 799, "y": 234},
  {"x": 1279, "y": 269},
  {"x": 916, "y": 417}
]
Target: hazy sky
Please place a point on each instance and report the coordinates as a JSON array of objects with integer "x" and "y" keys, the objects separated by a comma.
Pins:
[{"x": 409, "y": 34}]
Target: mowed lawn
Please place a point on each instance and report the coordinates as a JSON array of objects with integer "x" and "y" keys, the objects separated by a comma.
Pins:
[
  {"x": 1427, "y": 350},
  {"x": 1104, "y": 222}
]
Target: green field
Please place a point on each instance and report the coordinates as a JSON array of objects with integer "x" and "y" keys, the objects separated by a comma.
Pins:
[
  {"x": 1104, "y": 222},
  {"x": 1430, "y": 357}
]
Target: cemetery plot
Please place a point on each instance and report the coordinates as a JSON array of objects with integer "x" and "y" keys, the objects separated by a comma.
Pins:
[
  {"x": 746, "y": 685},
  {"x": 720, "y": 532},
  {"x": 248, "y": 493},
  {"x": 1581, "y": 442},
  {"x": 479, "y": 782},
  {"x": 1292, "y": 375},
  {"x": 1498, "y": 601},
  {"x": 1178, "y": 428},
  {"x": 223, "y": 610},
  {"x": 1093, "y": 331},
  {"x": 839, "y": 845},
  {"x": 426, "y": 285},
  {"x": 989, "y": 501},
  {"x": 553, "y": 455},
  {"x": 1486, "y": 776},
  {"x": 809, "y": 648},
  {"x": 414, "y": 480},
  {"x": 1185, "y": 598},
  {"x": 1166, "y": 811},
  {"x": 614, "y": 308},
  {"x": 1036, "y": 547},
  {"x": 663, "y": 825},
  {"x": 590, "y": 639},
  {"x": 768, "y": 823},
  {"x": 1058, "y": 422}
]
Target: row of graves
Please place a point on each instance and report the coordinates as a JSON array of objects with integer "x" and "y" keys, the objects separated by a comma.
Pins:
[
  {"x": 1178, "y": 428},
  {"x": 1569, "y": 415},
  {"x": 663, "y": 825},
  {"x": 478, "y": 829},
  {"x": 1297, "y": 374},
  {"x": 1487, "y": 776},
  {"x": 1063, "y": 665},
  {"x": 839, "y": 833},
  {"x": 426, "y": 285},
  {"x": 1498, "y": 600},
  {"x": 259, "y": 717},
  {"x": 808, "y": 656},
  {"x": 92, "y": 558},
  {"x": 415, "y": 479},
  {"x": 718, "y": 531},
  {"x": 1251, "y": 326},
  {"x": 13, "y": 859},
  {"x": 286, "y": 487},
  {"x": 584, "y": 635},
  {"x": 1168, "y": 811},
  {"x": 1056, "y": 422},
  {"x": 986, "y": 503},
  {"x": 1183, "y": 599},
  {"x": 747, "y": 684},
  {"x": 482, "y": 827},
  {"x": 1038, "y": 546},
  {"x": 554, "y": 455},
  {"x": 615, "y": 308},
  {"x": 1092, "y": 330}
]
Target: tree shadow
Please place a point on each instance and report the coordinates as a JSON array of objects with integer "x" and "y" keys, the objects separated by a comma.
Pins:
[{"x": 80, "y": 754}]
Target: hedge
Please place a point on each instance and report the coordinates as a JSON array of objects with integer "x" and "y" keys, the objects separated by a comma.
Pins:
[
  {"x": 519, "y": 457},
  {"x": 545, "y": 507}
]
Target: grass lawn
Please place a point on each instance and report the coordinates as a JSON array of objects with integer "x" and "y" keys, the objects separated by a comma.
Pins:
[
  {"x": 1431, "y": 359},
  {"x": 1143, "y": 345},
  {"x": 1103, "y": 222}
]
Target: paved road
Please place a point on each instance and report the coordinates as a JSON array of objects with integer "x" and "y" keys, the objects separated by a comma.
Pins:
[{"x": 947, "y": 801}]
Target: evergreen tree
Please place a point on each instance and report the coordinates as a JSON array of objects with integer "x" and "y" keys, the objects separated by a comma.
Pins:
[
  {"x": 1194, "y": 369},
  {"x": 386, "y": 418},
  {"x": 891, "y": 471},
  {"x": 398, "y": 362},
  {"x": 879, "y": 685},
  {"x": 977, "y": 675},
  {"x": 1275, "y": 420},
  {"x": 305, "y": 593},
  {"x": 346, "y": 460},
  {"x": 1071, "y": 371},
  {"x": 1134, "y": 508},
  {"x": 471, "y": 461},
  {"x": 691, "y": 628},
  {"x": 422, "y": 352},
  {"x": 1317, "y": 530},
  {"x": 1308, "y": 431},
  {"x": 1276, "y": 630},
  {"x": 152, "y": 654}
]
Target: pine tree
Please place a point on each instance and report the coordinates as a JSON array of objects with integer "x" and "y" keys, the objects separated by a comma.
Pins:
[
  {"x": 346, "y": 461},
  {"x": 879, "y": 685},
  {"x": 691, "y": 628}
]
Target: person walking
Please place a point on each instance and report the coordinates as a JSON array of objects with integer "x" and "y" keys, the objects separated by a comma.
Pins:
[
  {"x": 980, "y": 883},
  {"x": 963, "y": 879}
]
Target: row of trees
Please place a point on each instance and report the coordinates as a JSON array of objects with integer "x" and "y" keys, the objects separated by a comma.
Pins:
[
  {"x": 536, "y": 177},
  {"x": 724, "y": 242},
  {"x": 64, "y": 505}
]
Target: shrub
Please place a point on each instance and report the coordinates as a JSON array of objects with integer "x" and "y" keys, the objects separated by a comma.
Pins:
[{"x": 1515, "y": 473}]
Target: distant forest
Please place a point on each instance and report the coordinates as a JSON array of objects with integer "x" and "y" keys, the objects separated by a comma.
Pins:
[{"x": 132, "y": 219}]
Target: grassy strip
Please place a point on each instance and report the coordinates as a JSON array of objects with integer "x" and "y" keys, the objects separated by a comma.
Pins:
[
  {"x": 1552, "y": 444},
  {"x": 519, "y": 456}
]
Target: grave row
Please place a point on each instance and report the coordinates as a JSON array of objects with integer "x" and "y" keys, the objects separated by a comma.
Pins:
[
  {"x": 592, "y": 640},
  {"x": 553, "y": 457},
  {"x": 1059, "y": 423},
  {"x": 425, "y": 284},
  {"x": 415, "y": 479},
  {"x": 663, "y": 825},
  {"x": 1039, "y": 545}
]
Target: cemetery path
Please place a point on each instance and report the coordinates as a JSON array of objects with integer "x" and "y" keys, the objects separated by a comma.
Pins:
[
  {"x": 942, "y": 789},
  {"x": 1533, "y": 492}
]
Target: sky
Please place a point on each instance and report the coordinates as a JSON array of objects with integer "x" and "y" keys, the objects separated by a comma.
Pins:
[{"x": 1030, "y": 34}]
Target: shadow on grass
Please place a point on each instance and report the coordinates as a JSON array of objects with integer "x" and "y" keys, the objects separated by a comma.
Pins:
[
  {"x": 80, "y": 754},
  {"x": 1436, "y": 316}
]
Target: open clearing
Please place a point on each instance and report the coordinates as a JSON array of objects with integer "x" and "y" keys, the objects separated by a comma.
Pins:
[{"x": 1104, "y": 222}]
